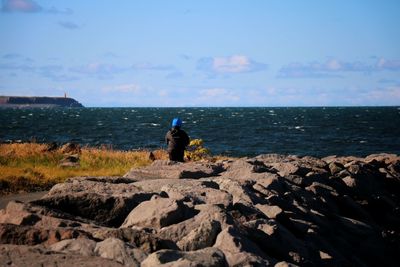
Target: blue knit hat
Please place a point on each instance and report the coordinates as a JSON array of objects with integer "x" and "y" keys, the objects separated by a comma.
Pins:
[{"x": 176, "y": 122}]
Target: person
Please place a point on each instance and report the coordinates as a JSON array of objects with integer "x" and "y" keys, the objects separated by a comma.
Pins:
[{"x": 177, "y": 140}]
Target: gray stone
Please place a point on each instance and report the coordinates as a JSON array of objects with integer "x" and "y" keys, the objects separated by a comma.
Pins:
[
  {"x": 83, "y": 246},
  {"x": 165, "y": 169},
  {"x": 240, "y": 251},
  {"x": 205, "y": 257},
  {"x": 156, "y": 213},
  {"x": 12, "y": 255},
  {"x": 116, "y": 250}
]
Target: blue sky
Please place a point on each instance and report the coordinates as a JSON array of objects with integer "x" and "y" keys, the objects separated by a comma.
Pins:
[{"x": 202, "y": 53}]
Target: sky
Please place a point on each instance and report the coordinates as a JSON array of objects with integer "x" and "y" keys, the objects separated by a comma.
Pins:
[{"x": 204, "y": 53}]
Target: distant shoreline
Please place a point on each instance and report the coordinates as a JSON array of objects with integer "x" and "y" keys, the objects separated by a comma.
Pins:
[{"x": 38, "y": 102}]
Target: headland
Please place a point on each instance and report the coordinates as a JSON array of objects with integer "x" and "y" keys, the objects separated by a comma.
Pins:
[{"x": 38, "y": 102}]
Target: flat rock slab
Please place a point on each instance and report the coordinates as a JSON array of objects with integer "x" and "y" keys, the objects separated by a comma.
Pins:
[
  {"x": 165, "y": 169},
  {"x": 12, "y": 255}
]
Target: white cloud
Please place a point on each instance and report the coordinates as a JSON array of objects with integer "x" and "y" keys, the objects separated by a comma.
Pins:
[
  {"x": 20, "y": 6},
  {"x": 335, "y": 68},
  {"x": 217, "y": 97},
  {"x": 150, "y": 66},
  {"x": 385, "y": 64},
  {"x": 232, "y": 64},
  {"x": 383, "y": 96},
  {"x": 30, "y": 6},
  {"x": 99, "y": 70}
]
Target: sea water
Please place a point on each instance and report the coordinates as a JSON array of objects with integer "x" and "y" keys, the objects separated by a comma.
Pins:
[{"x": 315, "y": 131}]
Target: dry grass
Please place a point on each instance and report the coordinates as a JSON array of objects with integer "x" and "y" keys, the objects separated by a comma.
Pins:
[{"x": 31, "y": 167}]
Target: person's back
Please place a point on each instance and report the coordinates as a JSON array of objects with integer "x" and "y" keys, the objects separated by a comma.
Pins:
[{"x": 177, "y": 140}]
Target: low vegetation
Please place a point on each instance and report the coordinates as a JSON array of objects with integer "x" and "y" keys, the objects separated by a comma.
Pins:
[
  {"x": 33, "y": 166},
  {"x": 196, "y": 150},
  {"x": 27, "y": 167}
]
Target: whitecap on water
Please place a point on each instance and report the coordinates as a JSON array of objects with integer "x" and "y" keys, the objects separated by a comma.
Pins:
[
  {"x": 149, "y": 124},
  {"x": 125, "y": 118},
  {"x": 23, "y": 117},
  {"x": 30, "y": 114},
  {"x": 300, "y": 128},
  {"x": 363, "y": 142}
]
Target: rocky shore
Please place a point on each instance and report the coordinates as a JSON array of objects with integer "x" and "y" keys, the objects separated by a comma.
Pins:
[
  {"x": 270, "y": 210},
  {"x": 38, "y": 102}
]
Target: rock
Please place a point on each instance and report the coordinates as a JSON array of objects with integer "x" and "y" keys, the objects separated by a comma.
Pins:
[
  {"x": 277, "y": 241},
  {"x": 218, "y": 218},
  {"x": 13, "y": 255},
  {"x": 204, "y": 257},
  {"x": 156, "y": 213},
  {"x": 52, "y": 146},
  {"x": 29, "y": 235},
  {"x": 82, "y": 246},
  {"x": 238, "y": 250},
  {"x": 350, "y": 181},
  {"x": 285, "y": 264},
  {"x": 271, "y": 212},
  {"x": 116, "y": 250},
  {"x": 144, "y": 239},
  {"x": 20, "y": 213},
  {"x": 201, "y": 237},
  {"x": 71, "y": 148},
  {"x": 198, "y": 192},
  {"x": 15, "y": 214},
  {"x": 103, "y": 203},
  {"x": 239, "y": 192},
  {"x": 165, "y": 169}
]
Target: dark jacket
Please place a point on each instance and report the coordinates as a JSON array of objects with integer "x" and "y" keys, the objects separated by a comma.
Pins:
[{"x": 176, "y": 139}]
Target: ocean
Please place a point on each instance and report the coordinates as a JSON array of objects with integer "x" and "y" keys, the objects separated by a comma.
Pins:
[{"x": 317, "y": 131}]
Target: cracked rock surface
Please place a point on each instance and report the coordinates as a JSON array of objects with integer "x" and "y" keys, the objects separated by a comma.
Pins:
[{"x": 270, "y": 210}]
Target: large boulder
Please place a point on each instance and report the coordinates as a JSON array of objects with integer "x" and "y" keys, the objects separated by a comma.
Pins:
[
  {"x": 199, "y": 231},
  {"x": 156, "y": 213},
  {"x": 239, "y": 250},
  {"x": 101, "y": 202}
]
